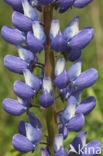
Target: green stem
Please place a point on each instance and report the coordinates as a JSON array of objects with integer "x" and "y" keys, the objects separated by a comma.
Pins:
[{"x": 49, "y": 72}]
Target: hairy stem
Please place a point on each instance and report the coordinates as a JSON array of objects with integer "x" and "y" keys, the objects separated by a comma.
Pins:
[{"x": 49, "y": 72}]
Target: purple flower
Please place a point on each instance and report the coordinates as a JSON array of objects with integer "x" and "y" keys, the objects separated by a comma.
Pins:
[
  {"x": 61, "y": 77},
  {"x": 29, "y": 11},
  {"x": 72, "y": 29},
  {"x": 34, "y": 121},
  {"x": 16, "y": 4},
  {"x": 46, "y": 100},
  {"x": 26, "y": 55},
  {"x": 65, "y": 3},
  {"x": 80, "y": 146},
  {"x": 11, "y": 35},
  {"x": 82, "y": 39},
  {"x": 45, "y": 2},
  {"x": 31, "y": 80},
  {"x": 75, "y": 70},
  {"x": 37, "y": 39},
  {"x": 21, "y": 22},
  {"x": 57, "y": 40},
  {"x": 61, "y": 152},
  {"x": 76, "y": 123},
  {"x": 15, "y": 64},
  {"x": 63, "y": 130},
  {"x": 28, "y": 140},
  {"x": 86, "y": 106},
  {"x": 81, "y": 3},
  {"x": 22, "y": 90},
  {"x": 44, "y": 152},
  {"x": 86, "y": 79},
  {"x": 13, "y": 107}
]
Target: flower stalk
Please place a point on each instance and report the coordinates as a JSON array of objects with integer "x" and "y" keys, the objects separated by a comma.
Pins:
[{"x": 49, "y": 72}]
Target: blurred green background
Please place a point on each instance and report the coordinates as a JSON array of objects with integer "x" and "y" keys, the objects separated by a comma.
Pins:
[{"x": 92, "y": 58}]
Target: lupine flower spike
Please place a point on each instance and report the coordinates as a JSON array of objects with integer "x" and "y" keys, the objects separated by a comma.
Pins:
[{"x": 31, "y": 36}]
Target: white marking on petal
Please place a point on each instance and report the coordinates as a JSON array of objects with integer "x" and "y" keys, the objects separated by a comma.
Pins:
[
  {"x": 36, "y": 29},
  {"x": 60, "y": 66},
  {"x": 28, "y": 77},
  {"x": 83, "y": 140},
  {"x": 55, "y": 28},
  {"x": 28, "y": 10},
  {"x": 29, "y": 132},
  {"x": 24, "y": 102},
  {"x": 72, "y": 29},
  {"x": 75, "y": 70},
  {"x": 71, "y": 110},
  {"x": 58, "y": 142},
  {"x": 47, "y": 85}
]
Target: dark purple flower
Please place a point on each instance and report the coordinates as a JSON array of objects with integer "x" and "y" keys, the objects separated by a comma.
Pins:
[
  {"x": 15, "y": 64},
  {"x": 73, "y": 54},
  {"x": 86, "y": 79},
  {"x": 58, "y": 43},
  {"x": 37, "y": 39},
  {"x": 45, "y": 2},
  {"x": 13, "y": 107},
  {"x": 64, "y": 131},
  {"x": 61, "y": 81},
  {"x": 30, "y": 137},
  {"x": 61, "y": 152},
  {"x": 82, "y": 148},
  {"x": 81, "y": 3},
  {"x": 16, "y": 4},
  {"x": 44, "y": 152},
  {"x": 21, "y": 22},
  {"x": 11, "y": 35},
  {"x": 22, "y": 90},
  {"x": 21, "y": 128},
  {"x": 65, "y": 3},
  {"x": 76, "y": 123},
  {"x": 86, "y": 106},
  {"x": 57, "y": 40},
  {"x": 22, "y": 144},
  {"x": 46, "y": 99},
  {"x": 34, "y": 121},
  {"x": 33, "y": 43},
  {"x": 82, "y": 39}
]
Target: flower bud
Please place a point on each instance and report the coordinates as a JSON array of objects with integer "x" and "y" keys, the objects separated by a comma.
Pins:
[
  {"x": 22, "y": 144},
  {"x": 13, "y": 107},
  {"x": 16, "y": 4},
  {"x": 21, "y": 22},
  {"x": 11, "y": 35},
  {"x": 76, "y": 123},
  {"x": 22, "y": 90},
  {"x": 82, "y": 39},
  {"x": 15, "y": 64},
  {"x": 46, "y": 99},
  {"x": 86, "y": 79},
  {"x": 81, "y": 3}
]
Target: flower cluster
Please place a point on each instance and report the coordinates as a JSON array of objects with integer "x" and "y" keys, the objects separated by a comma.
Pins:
[{"x": 29, "y": 38}]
